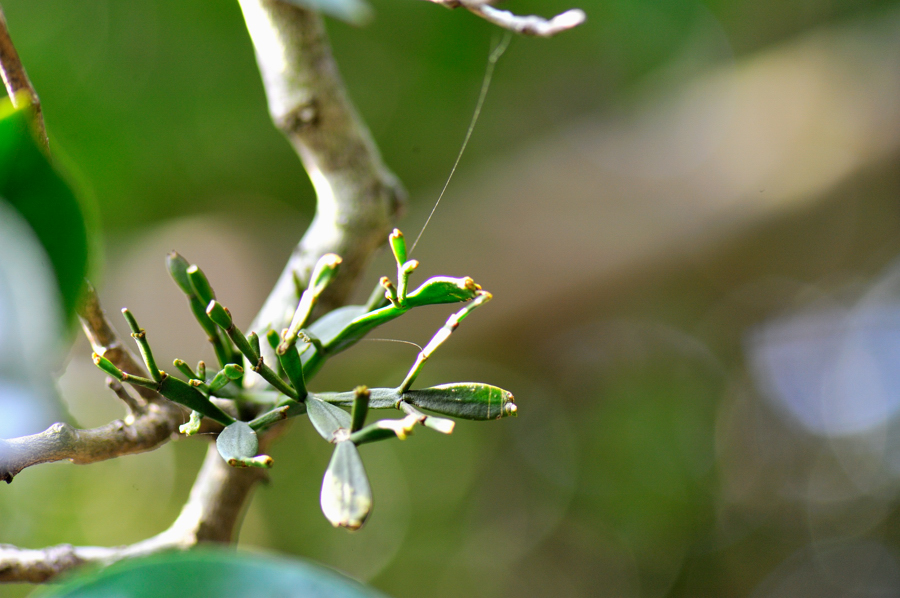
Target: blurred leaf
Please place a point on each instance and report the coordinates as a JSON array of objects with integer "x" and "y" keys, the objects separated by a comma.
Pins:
[
  {"x": 212, "y": 573},
  {"x": 326, "y": 418},
  {"x": 30, "y": 329},
  {"x": 356, "y": 12},
  {"x": 31, "y": 185},
  {"x": 346, "y": 496},
  {"x": 468, "y": 400}
]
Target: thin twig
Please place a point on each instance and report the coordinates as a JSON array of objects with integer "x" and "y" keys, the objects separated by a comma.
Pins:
[
  {"x": 524, "y": 25},
  {"x": 63, "y": 441},
  {"x": 106, "y": 343},
  {"x": 135, "y": 406},
  {"x": 211, "y": 513},
  {"x": 151, "y": 422},
  {"x": 18, "y": 86}
]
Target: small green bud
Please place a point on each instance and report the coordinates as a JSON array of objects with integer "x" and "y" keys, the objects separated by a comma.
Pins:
[
  {"x": 390, "y": 291},
  {"x": 219, "y": 314},
  {"x": 253, "y": 339},
  {"x": 233, "y": 371},
  {"x": 324, "y": 272},
  {"x": 185, "y": 369},
  {"x": 293, "y": 366},
  {"x": 178, "y": 267},
  {"x": 108, "y": 367},
  {"x": 140, "y": 337},
  {"x": 404, "y": 271},
  {"x": 200, "y": 284},
  {"x": 229, "y": 372},
  {"x": 273, "y": 339},
  {"x": 398, "y": 246},
  {"x": 132, "y": 322}
]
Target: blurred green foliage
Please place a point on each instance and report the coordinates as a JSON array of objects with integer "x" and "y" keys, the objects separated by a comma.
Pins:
[
  {"x": 211, "y": 572},
  {"x": 31, "y": 185},
  {"x": 160, "y": 104},
  {"x": 638, "y": 466}
]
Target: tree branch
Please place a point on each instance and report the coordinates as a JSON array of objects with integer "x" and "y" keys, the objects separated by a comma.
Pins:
[
  {"x": 151, "y": 422},
  {"x": 210, "y": 515},
  {"x": 358, "y": 198},
  {"x": 18, "y": 86},
  {"x": 524, "y": 25},
  {"x": 115, "y": 439}
]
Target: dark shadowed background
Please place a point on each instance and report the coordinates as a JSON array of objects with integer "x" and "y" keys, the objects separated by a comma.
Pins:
[{"x": 687, "y": 213}]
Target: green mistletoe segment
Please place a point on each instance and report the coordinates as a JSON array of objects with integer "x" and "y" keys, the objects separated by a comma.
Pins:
[
  {"x": 466, "y": 400},
  {"x": 299, "y": 352}
]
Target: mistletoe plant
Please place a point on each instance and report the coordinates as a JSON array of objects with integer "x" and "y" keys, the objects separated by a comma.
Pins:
[
  {"x": 257, "y": 382},
  {"x": 231, "y": 398}
]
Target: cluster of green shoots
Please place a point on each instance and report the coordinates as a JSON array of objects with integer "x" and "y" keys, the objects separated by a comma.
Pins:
[{"x": 229, "y": 398}]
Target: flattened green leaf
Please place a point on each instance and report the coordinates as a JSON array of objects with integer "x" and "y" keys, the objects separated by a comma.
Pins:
[
  {"x": 329, "y": 326},
  {"x": 326, "y": 418},
  {"x": 178, "y": 266},
  {"x": 237, "y": 441},
  {"x": 443, "y": 289},
  {"x": 468, "y": 400},
  {"x": 212, "y": 573},
  {"x": 181, "y": 392},
  {"x": 34, "y": 188},
  {"x": 31, "y": 327},
  {"x": 346, "y": 497},
  {"x": 238, "y": 445}
]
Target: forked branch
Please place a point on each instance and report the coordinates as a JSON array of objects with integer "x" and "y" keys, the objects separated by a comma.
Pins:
[
  {"x": 151, "y": 421},
  {"x": 210, "y": 515},
  {"x": 357, "y": 197},
  {"x": 524, "y": 25}
]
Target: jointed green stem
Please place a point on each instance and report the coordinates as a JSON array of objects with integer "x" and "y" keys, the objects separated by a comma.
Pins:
[
  {"x": 360, "y": 408},
  {"x": 140, "y": 336},
  {"x": 222, "y": 317},
  {"x": 439, "y": 337}
]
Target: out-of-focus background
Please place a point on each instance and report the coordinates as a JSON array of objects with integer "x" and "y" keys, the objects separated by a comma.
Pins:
[{"x": 687, "y": 213}]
